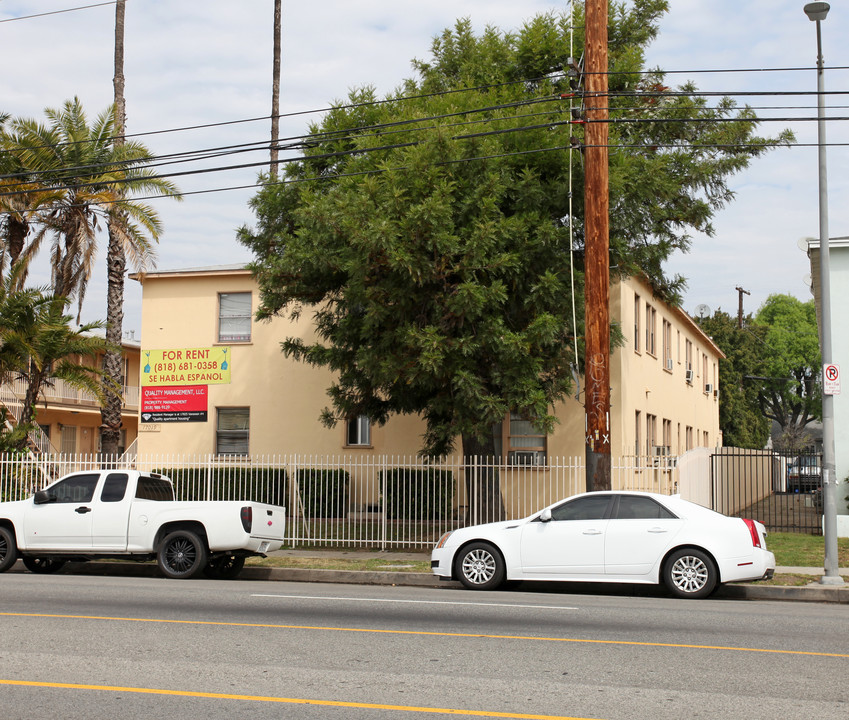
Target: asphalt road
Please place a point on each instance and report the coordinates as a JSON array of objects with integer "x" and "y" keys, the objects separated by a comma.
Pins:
[{"x": 133, "y": 647}]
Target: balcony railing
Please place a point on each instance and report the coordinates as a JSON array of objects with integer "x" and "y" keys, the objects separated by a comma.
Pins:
[{"x": 61, "y": 393}]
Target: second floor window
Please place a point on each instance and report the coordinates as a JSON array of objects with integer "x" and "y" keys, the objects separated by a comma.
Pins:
[{"x": 234, "y": 317}]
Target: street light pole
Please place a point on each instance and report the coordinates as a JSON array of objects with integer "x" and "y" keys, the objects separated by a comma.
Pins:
[{"x": 816, "y": 12}]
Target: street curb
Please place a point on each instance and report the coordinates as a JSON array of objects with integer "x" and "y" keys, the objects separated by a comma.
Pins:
[{"x": 813, "y": 592}]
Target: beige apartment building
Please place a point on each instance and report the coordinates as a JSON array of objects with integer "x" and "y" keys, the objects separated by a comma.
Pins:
[{"x": 215, "y": 382}]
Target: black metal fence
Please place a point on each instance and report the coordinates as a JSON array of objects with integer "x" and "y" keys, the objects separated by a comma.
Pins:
[{"x": 781, "y": 490}]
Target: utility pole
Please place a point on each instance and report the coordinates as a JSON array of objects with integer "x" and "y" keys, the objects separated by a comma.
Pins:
[
  {"x": 275, "y": 89},
  {"x": 740, "y": 293},
  {"x": 597, "y": 258}
]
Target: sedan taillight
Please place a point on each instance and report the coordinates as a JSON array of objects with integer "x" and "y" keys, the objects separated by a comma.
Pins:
[
  {"x": 247, "y": 515},
  {"x": 753, "y": 531}
]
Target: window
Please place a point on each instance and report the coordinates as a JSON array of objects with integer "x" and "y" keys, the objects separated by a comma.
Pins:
[
  {"x": 688, "y": 438},
  {"x": 638, "y": 433},
  {"x": 359, "y": 431},
  {"x": 688, "y": 355},
  {"x": 114, "y": 487},
  {"x": 637, "y": 330},
  {"x": 589, "y": 507},
  {"x": 234, "y": 317},
  {"x": 154, "y": 488},
  {"x": 651, "y": 317},
  {"x": 518, "y": 442},
  {"x": 232, "y": 431},
  {"x": 667, "y": 345},
  {"x": 68, "y": 438},
  {"x": 75, "y": 489},
  {"x": 635, "y": 507},
  {"x": 651, "y": 433},
  {"x": 667, "y": 434}
]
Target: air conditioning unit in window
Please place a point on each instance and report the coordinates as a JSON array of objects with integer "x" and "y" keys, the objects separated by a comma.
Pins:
[
  {"x": 688, "y": 375},
  {"x": 660, "y": 450},
  {"x": 669, "y": 363},
  {"x": 709, "y": 388},
  {"x": 527, "y": 457}
]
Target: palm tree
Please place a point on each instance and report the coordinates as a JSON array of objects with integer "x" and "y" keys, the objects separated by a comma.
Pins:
[
  {"x": 39, "y": 345},
  {"x": 93, "y": 175},
  {"x": 97, "y": 170},
  {"x": 22, "y": 200}
]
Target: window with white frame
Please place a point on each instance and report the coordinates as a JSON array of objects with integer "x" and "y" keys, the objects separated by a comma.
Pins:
[
  {"x": 637, "y": 323},
  {"x": 651, "y": 319},
  {"x": 518, "y": 442},
  {"x": 232, "y": 431},
  {"x": 234, "y": 317},
  {"x": 358, "y": 431}
]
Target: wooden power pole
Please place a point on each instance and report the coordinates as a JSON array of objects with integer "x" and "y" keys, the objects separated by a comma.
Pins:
[
  {"x": 275, "y": 89},
  {"x": 597, "y": 262}
]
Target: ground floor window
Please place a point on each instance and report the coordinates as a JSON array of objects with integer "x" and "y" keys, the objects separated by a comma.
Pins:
[
  {"x": 518, "y": 442},
  {"x": 358, "y": 431},
  {"x": 233, "y": 431}
]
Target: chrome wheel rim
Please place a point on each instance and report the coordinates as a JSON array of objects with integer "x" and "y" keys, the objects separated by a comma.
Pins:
[
  {"x": 690, "y": 574},
  {"x": 479, "y": 567}
]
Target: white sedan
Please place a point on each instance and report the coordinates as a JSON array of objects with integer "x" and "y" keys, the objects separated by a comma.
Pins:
[{"x": 618, "y": 537}]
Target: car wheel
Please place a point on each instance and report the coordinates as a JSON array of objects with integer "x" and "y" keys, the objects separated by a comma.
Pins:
[
  {"x": 182, "y": 554},
  {"x": 479, "y": 566},
  {"x": 8, "y": 549},
  {"x": 43, "y": 565},
  {"x": 690, "y": 573},
  {"x": 226, "y": 567}
]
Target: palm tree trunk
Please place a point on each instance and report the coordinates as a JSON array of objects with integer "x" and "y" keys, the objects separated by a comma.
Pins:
[
  {"x": 116, "y": 262},
  {"x": 275, "y": 89}
]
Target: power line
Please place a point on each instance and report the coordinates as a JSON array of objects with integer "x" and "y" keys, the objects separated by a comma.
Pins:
[{"x": 57, "y": 12}]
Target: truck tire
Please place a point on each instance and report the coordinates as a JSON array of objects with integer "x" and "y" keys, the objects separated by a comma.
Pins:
[
  {"x": 43, "y": 565},
  {"x": 182, "y": 554},
  {"x": 225, "y": 567},
  {"x": 8, "y": 549}
]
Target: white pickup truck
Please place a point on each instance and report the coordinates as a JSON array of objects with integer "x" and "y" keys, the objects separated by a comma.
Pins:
[{"x": 132, "y": 515}]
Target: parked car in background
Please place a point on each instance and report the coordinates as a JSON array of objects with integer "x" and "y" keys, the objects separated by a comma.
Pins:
[
  {"x": 804, "y": 474},
  {"x": 621, "y": 537}
]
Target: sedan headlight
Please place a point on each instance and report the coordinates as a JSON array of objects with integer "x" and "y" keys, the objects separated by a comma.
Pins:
[{"x": 444, "y": 539}]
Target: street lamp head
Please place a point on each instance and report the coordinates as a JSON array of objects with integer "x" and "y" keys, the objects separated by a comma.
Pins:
[{"x": 817, "y": 11}]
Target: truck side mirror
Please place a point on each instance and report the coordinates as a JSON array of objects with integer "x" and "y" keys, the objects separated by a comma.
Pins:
[{"x": 41, "y": 497}]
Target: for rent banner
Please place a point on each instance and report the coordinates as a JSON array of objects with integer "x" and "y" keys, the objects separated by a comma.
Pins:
[
  {"x": 186, "y": 366},
  {"x": 186, "y": 403}
]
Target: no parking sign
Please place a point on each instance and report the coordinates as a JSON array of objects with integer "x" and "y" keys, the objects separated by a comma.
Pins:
[{"x": 831, "y": 379}]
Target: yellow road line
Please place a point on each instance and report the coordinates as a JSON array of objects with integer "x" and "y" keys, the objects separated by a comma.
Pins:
[
  {"x": 293, "y": 701},
  {"x": 633, "y": 643}
]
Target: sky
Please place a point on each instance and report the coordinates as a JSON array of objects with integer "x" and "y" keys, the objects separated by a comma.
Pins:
[{"x": 191, "y": 63}]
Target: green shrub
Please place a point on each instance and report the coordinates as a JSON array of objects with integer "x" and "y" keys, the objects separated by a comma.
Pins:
[
  {"x": 266, "y": 485},
  {"x": 418, "y": 494},
  {"x": 324, "y": 492}
]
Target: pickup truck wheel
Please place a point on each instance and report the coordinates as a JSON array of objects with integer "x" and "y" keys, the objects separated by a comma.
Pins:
[
  {"x": 182, "y": 554},
  {"x": 226, "y": 567},
  {"x": 43, "y": 565},
  {"x": 8, "y": 549}
]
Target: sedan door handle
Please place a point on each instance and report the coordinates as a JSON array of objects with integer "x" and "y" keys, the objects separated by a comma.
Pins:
[
  {"x": 657, "y": 530},
  {"x": 83, "y": 510},
  {"x": 592, "y": 532}
]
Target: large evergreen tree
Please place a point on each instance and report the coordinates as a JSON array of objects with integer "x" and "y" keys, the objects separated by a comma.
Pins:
[{"x": 430, "y": 233}]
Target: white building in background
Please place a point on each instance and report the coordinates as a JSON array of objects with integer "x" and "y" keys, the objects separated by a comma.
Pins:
[{"x": 839, "y": 271}]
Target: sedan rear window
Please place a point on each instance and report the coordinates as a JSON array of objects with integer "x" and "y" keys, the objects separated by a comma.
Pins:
[{"x": 635, "y": 507}]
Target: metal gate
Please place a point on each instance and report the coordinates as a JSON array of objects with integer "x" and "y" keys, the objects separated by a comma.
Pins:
[{"x": 781, "y": 490}]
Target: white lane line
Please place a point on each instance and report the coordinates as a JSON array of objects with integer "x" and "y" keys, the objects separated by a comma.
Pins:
[{"x": 413, "y": 602}]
